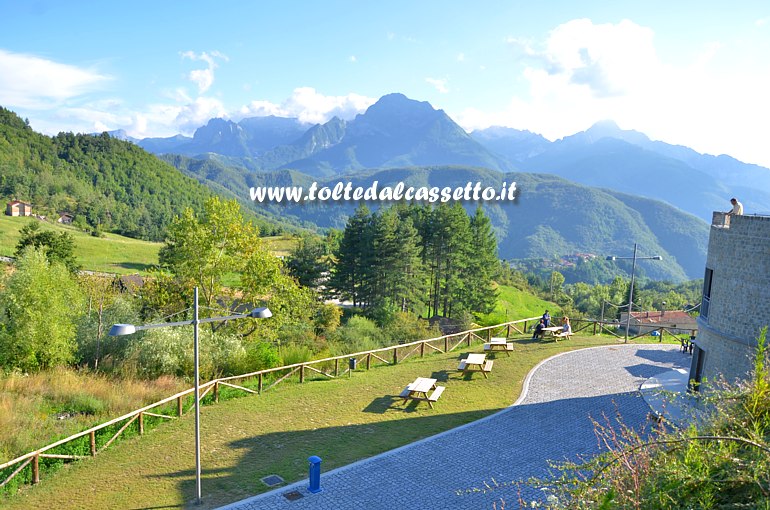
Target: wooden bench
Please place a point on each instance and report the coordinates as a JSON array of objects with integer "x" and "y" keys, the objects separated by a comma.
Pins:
[
  {"x": 436, "y": 393},
  {"x": 507, "y": 347},
  {"x": 563, "y": 334},
  {"x": 487, "y": 366},
  {"x": 461, "y": 366}
]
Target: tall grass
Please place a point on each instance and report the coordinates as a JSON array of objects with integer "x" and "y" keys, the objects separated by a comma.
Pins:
[{"x": 37, "y": 409}]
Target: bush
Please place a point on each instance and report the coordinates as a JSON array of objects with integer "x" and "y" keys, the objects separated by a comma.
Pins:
[
  {"x": 407, "y": 327},
  {"x": 169, "y": 351},
  {"x": 360, "y": 334}
]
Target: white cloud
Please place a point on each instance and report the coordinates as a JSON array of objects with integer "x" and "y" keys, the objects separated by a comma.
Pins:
[
  {"x": 204, "y": 78},
  {"x": 353, "y": 59},
  {"x": 584, "y": 72},
  {"x": 307, "y": 105},
  {"x": 195, "y": 114},
  {"x": 28, "y": 81},
  {"x": 439, "y": 84}
]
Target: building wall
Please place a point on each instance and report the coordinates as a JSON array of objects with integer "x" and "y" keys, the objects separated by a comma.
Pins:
[
  {"x": 739, "y": 255},
  {"x": 20, "y": 209}
]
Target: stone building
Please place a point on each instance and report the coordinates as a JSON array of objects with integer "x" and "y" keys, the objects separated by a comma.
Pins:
[
  {"x": 18, "y": 208},
  {"x": 676, "y": 322},
  {"x": 736, "y": 298}
]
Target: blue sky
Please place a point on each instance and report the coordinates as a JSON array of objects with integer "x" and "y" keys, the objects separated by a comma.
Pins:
[{"x": 685, "y": 72}]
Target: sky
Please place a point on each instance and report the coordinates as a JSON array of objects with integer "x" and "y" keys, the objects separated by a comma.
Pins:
[{"x": 693, "y": 73}]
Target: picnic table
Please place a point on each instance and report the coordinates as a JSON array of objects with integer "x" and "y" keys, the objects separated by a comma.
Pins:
[
  {"x": 499, "y": 344},
  {"x": 551, "y": 330},
  {"x": 419, "y": 389},
  {"x": 476, "y": 363}
]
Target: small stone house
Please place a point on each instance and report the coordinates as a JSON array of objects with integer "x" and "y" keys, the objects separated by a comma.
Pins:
[
  {"x": 65, "y": 219},
  {"x": 18, "y": 208}
]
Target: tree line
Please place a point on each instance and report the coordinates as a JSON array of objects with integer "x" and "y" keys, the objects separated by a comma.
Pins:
[{"x": 420, "y": 259}]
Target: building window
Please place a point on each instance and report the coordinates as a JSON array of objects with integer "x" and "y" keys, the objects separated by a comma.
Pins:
[
  {"x": 704, "y": 307},
  {"x": 696, "y": 369}
]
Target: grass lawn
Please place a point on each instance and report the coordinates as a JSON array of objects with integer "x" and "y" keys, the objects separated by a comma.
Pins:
[
  {"x": 281, "y": 246},
  {"x": 244, "y": 439},
  {"x": 112, "y": 253},
  {"x": 513, "y": 303}
]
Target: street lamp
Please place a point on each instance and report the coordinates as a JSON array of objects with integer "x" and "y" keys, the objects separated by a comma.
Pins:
[
  {"x": 128, "y": 329},
  {"x": 631, "y": 291}
]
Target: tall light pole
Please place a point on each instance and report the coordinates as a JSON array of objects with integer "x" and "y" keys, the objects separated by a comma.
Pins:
[
  {"x": 128, "y": 329},
  {"x": 631, "y": 290}
]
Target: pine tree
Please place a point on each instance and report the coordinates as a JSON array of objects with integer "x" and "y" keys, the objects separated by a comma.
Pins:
[{"x": 350, "y": 272}]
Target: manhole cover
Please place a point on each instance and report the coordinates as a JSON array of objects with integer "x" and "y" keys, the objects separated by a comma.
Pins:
[
  {"x": 293, "y": 496},
  {"x": 272, "y": 480}
]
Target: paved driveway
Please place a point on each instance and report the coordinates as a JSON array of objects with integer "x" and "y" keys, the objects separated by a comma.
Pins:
[{"x": 450, "y": 470}]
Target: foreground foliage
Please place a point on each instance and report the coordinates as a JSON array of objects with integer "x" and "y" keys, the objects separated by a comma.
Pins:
[{"x": 721, "y": 462}]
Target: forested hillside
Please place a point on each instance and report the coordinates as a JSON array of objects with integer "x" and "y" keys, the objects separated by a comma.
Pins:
[
  {"x": 107, "y": 184},
  {"x": 551, "y": 217}
]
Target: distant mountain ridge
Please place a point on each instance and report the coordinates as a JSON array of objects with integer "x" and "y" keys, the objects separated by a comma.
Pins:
[
  {"x": 552, "y": 217},
  {"x": 400, "y": 132}
]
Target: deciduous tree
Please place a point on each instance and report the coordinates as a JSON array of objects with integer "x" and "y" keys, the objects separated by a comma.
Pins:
[{"x": 39, "y": 307}]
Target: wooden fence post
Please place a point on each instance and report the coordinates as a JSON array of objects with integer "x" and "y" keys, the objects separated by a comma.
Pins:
[
  {"x": 446, "y": 344},
  {"x": 422, "y": 349},
  {"x": 179, "y": 406},
  {"x": 93, "y": 443},
  {"x": 36, "y": 469},
  {"x": 468, "y": 339},
  {"x": 301, "y": 373},
  {"x": 395, "y": 355},
  {"x": 259, "y": 384},
  {"x": 368, "y": 360},
  {"x": 508, "y": 329},
  {"x": 141, "y": 424},
  {"x": 216, "y": 391}
]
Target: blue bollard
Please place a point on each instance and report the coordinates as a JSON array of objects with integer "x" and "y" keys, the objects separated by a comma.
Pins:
[{"x": 315, "y": 474}]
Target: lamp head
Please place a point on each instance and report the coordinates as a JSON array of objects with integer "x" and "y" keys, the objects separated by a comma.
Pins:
[
  {"x": 122, "y": 329},
  {"x": 657, "y": 257},
  {"x": 261, "y": 313},
  {"x": 611, "y": 257}
]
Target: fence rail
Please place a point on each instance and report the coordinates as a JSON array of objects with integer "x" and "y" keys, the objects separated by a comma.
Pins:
[{"x": 384, "y": 355}]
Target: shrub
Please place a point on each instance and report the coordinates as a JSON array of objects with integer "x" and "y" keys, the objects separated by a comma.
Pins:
[
  {"x": 169, "y": 351},
  {"x": 360, "y": 334}
]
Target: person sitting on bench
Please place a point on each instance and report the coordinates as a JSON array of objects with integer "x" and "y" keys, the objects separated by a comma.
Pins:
[
  {"x": 566, "y": 329},
  {"x": 539, "y": 329}
]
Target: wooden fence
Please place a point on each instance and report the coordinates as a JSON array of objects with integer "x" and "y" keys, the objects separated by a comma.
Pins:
[
  {"x": 610, "y": 327},
  {"x": 327, "y": 367}
]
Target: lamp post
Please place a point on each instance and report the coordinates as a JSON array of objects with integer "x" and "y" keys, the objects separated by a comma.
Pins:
[
  {"x": 631, "y": 290},
  {"x": 128, "y": 329}
]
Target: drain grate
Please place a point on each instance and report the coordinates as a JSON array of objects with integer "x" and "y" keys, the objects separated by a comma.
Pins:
[
  {"x": 272, "y": 480},
  {"x": 293, "y": 495}
]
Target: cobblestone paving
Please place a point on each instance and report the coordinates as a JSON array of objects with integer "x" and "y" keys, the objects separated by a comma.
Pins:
[{"x": 550, "y": 422}]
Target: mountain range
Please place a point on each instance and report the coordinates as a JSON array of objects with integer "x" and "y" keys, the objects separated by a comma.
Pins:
[
  {"x": 400, "y": 132},
  {"x": 596, "y": 192}
]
